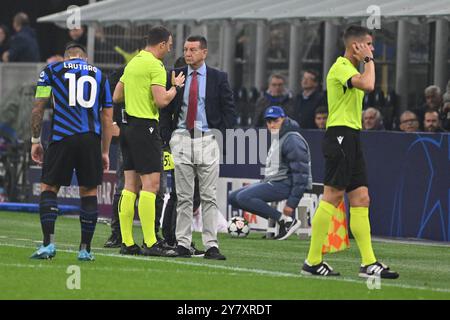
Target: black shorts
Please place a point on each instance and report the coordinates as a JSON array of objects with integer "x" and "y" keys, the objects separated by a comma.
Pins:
[
  {"x": 80, "y": 152},
  {"x": 141, "y": 146},
  {"x": 345, "y": 167}
]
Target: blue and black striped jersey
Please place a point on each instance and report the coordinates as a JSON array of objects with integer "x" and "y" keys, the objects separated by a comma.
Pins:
[{"x": 79, "y": 92}]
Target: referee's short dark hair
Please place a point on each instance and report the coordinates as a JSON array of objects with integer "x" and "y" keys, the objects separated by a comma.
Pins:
[
  {"x": 157, "y": 35},
  {"x": 355, "y": 32},
  {"x": 201, "y": 39}
]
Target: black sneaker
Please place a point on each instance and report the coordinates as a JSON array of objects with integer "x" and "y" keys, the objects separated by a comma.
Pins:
[
  {"x": 377, "y": 269},
  {"x": 214, "y": 253},
  {"x": 322, "y": 269},
  {"x": 195, "y": 252},
  {"x": 114, "y": 241},
  {"x": 288, "y": 229},
  {"x": 133, "y": 250},
  {"x": 183, "y": 252},
  {"x": 167, "y": 246},
  {"x": 157, "y": 250}
]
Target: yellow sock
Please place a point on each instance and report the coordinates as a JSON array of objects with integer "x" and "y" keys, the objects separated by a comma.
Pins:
[
  {"x": 126, "y": 215},
  {"x": 360, "y": 227},
  {"x": 320, "y": 225},
  {"x": 146, "y": 209}
]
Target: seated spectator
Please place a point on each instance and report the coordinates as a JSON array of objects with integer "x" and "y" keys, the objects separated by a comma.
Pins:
[
  {"x": 4, "y": 39},
  {"x": 431, "y": 122},
  {"x": 433, "y": 101},
  {"x": 276, "y": 95},
  {"x": 372, "y": 119},
  {"x": 308, "y": 100},
  {"x": 287, "y": 175},
  {"x": 409, "y": 122},
  {"x": 320, "y": 118},
  {"x": 24, "y": 46}
]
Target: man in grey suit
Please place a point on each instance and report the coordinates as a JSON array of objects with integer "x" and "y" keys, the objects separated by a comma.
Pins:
[{"x": 204, "y": 104}]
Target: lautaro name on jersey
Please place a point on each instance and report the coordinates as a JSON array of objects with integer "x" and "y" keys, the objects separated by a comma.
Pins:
[{"x": 79, "y": 91}]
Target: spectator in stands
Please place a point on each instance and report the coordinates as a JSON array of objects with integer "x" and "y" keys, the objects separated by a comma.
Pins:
[
  {"x": 409, "y": 122},
  {"x": 372, "y": 119},
  {"x": 78, "y": 35},
  {"x": 431, "y": 122},
  {"x": 433, "y": 101},
  {"x": 308, "y": 100},
  {"x": 24, "y": 46},
  {"x": 276, "y": 95},
  {"x": 321, "y": 116},
  {"x": 287, "y": 175},
  {"x": 433, "y": 98},
  {"x": 4, "y": 39}
]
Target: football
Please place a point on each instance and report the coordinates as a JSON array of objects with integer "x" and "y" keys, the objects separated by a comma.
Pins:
[{"x": 238, "y": 227}]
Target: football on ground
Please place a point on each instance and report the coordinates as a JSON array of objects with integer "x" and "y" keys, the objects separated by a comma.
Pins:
[{"x": 238, "y": 227}]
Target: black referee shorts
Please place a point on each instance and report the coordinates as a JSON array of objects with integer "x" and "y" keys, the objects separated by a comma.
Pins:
[
  {"x": 345, "y": 167},
  {"x": 80, "y": 152},
  {"x": 141, "y": 145}
]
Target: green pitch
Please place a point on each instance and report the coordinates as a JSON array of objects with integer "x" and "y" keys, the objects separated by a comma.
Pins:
[{"x": 254, "y": 269}]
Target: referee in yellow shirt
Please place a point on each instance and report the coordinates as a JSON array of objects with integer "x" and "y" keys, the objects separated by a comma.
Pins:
[
  {"x": 143, "y": 88},
  {"x": 345, "y": 169}
]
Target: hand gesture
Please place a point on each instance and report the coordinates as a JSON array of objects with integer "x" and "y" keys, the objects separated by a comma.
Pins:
[
  {"x": 37, "y": 153},
  {"x": 178, "y": 80},
  {"x": 361, "y": 50}
]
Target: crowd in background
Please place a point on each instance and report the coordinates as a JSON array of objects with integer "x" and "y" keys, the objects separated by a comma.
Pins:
[{"x": 308, "y": 108}]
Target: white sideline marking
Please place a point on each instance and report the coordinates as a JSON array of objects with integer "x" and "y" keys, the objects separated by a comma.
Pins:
[{"x": 240, "y": 269}]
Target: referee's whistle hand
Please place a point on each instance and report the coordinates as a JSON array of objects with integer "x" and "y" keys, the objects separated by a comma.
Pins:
[{"x": 37, "y": 153}]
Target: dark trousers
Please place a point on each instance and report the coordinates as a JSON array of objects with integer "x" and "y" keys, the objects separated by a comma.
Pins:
[
  {"x": 115, "y": 223},
  {"x": 170, "y": 212},
  {"x": 254, "y": 198}
]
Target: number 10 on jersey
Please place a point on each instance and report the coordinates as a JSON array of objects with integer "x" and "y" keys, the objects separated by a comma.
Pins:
[{"x": 76, "y": 90}]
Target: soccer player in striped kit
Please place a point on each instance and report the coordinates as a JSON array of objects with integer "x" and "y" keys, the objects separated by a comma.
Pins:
[{"x": 80, "y": 139}]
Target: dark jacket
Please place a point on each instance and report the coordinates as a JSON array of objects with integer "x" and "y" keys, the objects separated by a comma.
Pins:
[
  {"x": 219, "y": 104},
  {"x": 295, "y": 162},
  {"x": 304, "y": 109},
  {"x": 114, "y": 78},
  {"x": 266, "y": 101},
  {"x": 24, "y": 46}
]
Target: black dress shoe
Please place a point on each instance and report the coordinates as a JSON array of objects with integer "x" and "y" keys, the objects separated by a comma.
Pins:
[
  {"x": 157, "y": 250},
  {"x": 113, "y": 241},
  {"x": 183, "y": 252},
  {"x": 214, "y": 253}
]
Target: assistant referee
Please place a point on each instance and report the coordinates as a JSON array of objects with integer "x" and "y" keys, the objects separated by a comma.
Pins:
[
  {"x": 143, "y": 88},
  {"x": 345, "y": 169}
]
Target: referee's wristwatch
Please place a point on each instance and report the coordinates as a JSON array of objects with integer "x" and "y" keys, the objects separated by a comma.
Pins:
[{"x": 367, "y": 59}]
